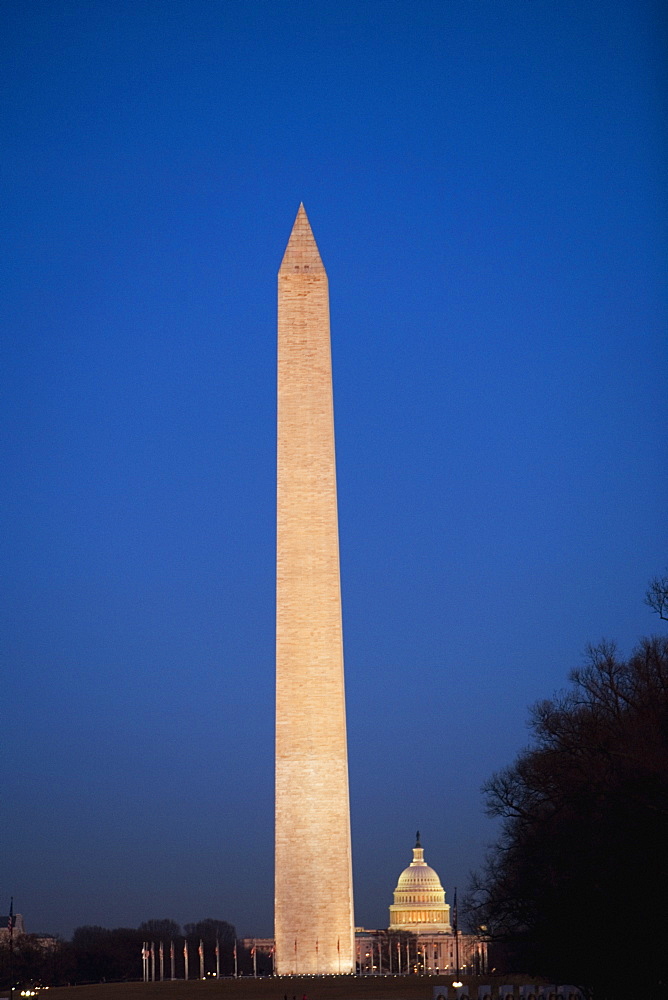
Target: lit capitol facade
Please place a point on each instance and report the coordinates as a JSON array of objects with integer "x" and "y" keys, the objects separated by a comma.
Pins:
[
  {"x": 421, "y": 938},
  {"x": 419, "y": 899}
]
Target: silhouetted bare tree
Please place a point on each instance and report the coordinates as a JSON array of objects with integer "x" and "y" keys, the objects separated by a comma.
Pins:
[
  {"x": 160, "y": 930},
  {"x": 656, "y": 597},
  {"x": 576, "y": 886}
]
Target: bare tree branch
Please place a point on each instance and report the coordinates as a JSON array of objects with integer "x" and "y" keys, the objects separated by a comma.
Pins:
[{"x": 656, "y": 597}]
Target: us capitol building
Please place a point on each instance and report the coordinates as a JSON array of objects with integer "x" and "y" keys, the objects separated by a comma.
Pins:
[{"x": 421, "y": 938}]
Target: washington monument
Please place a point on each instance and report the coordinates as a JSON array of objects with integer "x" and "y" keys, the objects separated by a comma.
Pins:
[{"x": 313, "y": 916}]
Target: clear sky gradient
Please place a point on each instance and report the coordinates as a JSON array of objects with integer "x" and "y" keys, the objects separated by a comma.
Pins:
[{"x": 486, "y": 183}]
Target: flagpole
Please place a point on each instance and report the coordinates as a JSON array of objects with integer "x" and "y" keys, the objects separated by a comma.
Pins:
[
  {"x": 171, "y": 958},
  {"x": 161, "y": 953},
  {"x": 236, "y": 967},
  {"x": 217, "y": 958},
  {"x": 456, "y": 934},
  {"x": 455, "y": 924},
  {"x": 185, "y": 958},
  {"x": 10, "y": 928}
]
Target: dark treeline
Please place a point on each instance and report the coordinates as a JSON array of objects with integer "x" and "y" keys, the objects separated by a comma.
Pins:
[
  {"x": 100, "y": 954},
  {"x": 575, "y": 889}
]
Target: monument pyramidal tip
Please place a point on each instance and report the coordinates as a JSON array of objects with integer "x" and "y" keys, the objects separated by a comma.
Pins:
[{"x": 313, "y": 914}]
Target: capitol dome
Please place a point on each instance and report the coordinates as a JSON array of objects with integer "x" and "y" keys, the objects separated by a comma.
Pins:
[{"x": 419, "y": 899}]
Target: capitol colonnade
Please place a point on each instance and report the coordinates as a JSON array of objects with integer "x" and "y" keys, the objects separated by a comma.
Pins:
[{"x": 379, "y": 953}]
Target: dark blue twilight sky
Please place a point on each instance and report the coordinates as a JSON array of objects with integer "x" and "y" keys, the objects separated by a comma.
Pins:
[{"x": 486, "y": 182}]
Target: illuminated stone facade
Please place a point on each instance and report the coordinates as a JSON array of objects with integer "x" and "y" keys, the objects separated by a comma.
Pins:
[
  {"x": 421, "y": 938},
  {"x": 313, "y": 913},
  {"x": 419, "y": 899},
  {"x": 18, "y": 927},
  {"x": 386, "y": 953}
]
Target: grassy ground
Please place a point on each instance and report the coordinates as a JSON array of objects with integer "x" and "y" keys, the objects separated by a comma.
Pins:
[{"x": 321, "y": 988}]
